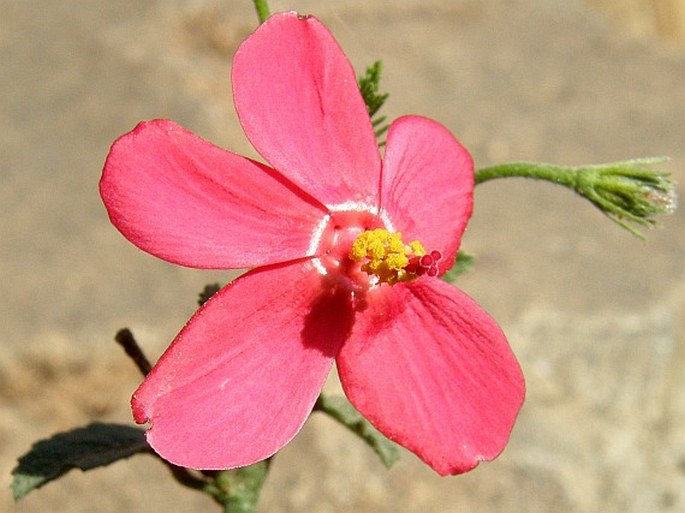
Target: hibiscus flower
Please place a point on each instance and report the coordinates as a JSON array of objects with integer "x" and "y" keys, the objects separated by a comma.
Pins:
[{"x": 346, "y": 251}]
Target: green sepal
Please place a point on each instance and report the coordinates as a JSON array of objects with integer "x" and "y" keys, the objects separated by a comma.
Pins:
[
  {"x": 341, "y": 410},
  {"x": 84, "y": 448}
]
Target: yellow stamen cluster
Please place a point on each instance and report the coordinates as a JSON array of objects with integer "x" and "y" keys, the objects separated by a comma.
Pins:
[{"x": 387, "y": 255}]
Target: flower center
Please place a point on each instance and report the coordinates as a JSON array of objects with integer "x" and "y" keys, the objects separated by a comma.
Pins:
[
  {"x": 386, "y": 257},
  {"x": 358, "y": 249}
]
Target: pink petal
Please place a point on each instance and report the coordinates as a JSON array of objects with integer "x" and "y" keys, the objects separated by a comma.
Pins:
[
  {"x": 432, "y": 371},
  {"x": 298, "y": 101},
  {"x": 189, "y": 202},
  {"x": 241, "y": 378},
  {"x": 427, "y": 187}
]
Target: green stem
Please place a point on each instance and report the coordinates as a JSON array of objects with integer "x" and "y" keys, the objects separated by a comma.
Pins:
[
  {"x": 561, "y": 175},
  {"x": 238, "y": 490},
  {"x": 339, "y": 409},
  {"x": 626, "y": 192},
  {"x": 262, "y": 7}
]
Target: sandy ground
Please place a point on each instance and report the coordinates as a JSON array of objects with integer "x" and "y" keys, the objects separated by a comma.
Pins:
[{"x": 595, "y": 316}]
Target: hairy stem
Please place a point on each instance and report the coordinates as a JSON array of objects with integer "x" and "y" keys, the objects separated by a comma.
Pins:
[
  {"x": 626, "y": 192},
  {"x": 550, "y": 173}
]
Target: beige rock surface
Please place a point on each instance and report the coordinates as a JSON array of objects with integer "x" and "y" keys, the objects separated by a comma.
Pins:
[{"x": 595, "y": 316}]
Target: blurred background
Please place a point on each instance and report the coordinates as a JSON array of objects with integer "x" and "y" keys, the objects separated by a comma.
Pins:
[
  {"x": 660, "y": 19},
  {"x": 595, "y": 316}
]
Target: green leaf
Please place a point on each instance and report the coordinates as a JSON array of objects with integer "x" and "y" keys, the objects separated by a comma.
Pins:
[
  {"x": 463, "y": 264},
  {"x": 369, "y": 85},
  {"x": 341, "y": 410},
  {"x": 85, "y": 448}
]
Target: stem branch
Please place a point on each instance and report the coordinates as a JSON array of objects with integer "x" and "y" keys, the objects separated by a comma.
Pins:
[{"x": 126, "y": 340}]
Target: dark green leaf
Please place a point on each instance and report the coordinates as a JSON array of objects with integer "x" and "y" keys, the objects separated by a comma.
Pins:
[
  {"x": 463, "y": 264},
  {"x": 369, "y": 85},
  {"x": 84, "y": 448},
  {"x": 341, "y": 410}
]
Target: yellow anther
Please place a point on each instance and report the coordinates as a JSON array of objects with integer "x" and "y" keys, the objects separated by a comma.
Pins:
[
  {"x": 417, "y": 248},
  {"x": 385, "y": 255},
  {"x": 397, "y": 261}
]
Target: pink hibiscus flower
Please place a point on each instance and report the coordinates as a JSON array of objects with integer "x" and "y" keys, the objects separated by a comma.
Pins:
[{"x": 346, "y": 251}]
